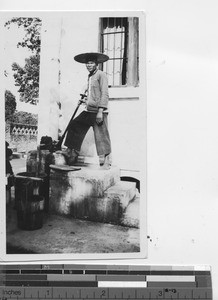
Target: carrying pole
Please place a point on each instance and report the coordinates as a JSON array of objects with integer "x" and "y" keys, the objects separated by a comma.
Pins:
[{"x": 58, "y": 146}]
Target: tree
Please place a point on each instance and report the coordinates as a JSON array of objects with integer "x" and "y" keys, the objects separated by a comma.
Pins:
[
  {"x": 32, "y": 27},
  {"x": 11, "y": 115},
  {"x": 10, "y": 105},
  {"x": 27, "y": 78},
  {"x": 23, "y": 117}
]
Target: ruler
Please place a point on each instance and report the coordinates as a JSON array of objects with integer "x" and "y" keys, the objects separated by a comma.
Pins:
[{"x": 72, "y": 281}]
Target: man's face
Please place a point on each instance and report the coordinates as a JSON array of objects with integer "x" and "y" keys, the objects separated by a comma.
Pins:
[{"x": 91, "y": 66}]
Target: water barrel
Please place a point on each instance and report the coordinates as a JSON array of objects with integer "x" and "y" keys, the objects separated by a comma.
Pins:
[{"x": 29, "y": 200}]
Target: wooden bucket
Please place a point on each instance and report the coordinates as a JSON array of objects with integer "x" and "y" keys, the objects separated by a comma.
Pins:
[{"x": 29, "y": 201}]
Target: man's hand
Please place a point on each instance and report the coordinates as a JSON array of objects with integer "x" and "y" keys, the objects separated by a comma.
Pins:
[
  {"x": 82, "y": 101},
  {"x": 99, "y": 117}
]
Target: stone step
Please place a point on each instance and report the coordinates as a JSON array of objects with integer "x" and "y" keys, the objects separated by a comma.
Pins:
[
  {"x": 131, "y": 216},
  {"x": 70, "y": 190},
  {"x": 122, "y": 192},
  {"x": 117, "y": 199}
]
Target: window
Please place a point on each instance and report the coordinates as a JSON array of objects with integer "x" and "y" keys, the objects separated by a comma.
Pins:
[{"x": 119, "y": 40}]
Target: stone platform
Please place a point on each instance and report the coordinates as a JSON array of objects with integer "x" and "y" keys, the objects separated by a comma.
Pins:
[{"x": 90, "y": 193}]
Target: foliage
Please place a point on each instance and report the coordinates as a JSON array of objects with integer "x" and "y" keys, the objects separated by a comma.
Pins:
[
  {"x": 25, "y": 118},
  {"x": 32, "y": 28},
  {"x": 10, "y": 105},
  {"x": 27, "y": 78}
]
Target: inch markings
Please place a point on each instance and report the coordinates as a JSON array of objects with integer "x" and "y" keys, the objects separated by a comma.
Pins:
[{"x": 110, "y": 282}]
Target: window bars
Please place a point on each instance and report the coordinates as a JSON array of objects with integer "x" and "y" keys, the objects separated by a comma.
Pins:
[{"x": 119, "y": 40}]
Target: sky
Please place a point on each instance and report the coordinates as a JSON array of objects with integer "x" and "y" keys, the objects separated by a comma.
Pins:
[{"x": 13, "y": 35}]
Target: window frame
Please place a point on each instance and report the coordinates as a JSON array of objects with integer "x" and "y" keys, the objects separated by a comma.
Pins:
[{"x": 132, "y": 51}]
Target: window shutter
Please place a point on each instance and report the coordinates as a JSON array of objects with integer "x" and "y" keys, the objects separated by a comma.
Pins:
[{"x": 132, "y": 67}]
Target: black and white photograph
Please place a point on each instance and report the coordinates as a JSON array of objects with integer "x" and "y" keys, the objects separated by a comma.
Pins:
[
  {"x": 109, "y": 148},
  {"x": 75, "y": 135}
]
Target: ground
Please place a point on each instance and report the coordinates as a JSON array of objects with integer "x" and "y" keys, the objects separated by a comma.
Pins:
[{"x": 61, "y": 234}]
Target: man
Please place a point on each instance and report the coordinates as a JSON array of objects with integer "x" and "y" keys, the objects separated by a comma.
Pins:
[{"x": 94, "y": 115}]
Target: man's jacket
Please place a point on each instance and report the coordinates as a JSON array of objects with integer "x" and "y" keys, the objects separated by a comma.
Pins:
[{"x": 97, "y": 92}]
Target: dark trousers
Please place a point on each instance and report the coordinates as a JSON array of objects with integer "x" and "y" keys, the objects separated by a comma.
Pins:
[{"x": 80, "y": 126}]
